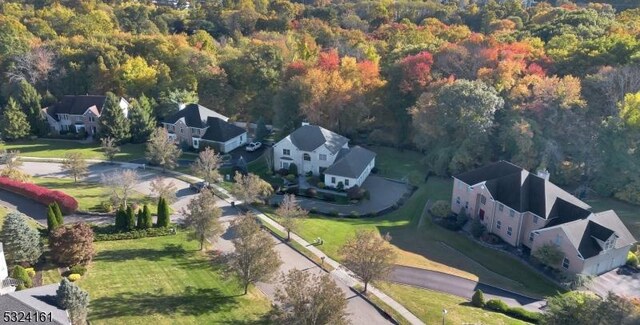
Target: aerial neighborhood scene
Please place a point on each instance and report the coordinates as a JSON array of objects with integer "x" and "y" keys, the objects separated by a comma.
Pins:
[{"x": 320, "y": 162}]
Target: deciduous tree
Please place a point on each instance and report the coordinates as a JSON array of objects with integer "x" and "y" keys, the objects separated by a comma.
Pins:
[
  {"x": 291, "y": 213},
  {"x": 549, "y": 254},
  {"x": 207, "y": 164},
  {"x": 250, "y": 188},
  {"x": 12, "y": 164},
  {"x": 109, "y": 147},
  {"x": 160, "y": 187},
  {"x": 21, "y": 243},
  {"x": 120, "y": 184},
  {"x": 72, "y": 245},
  {"x": 254, "y": 258},
  {"x": 162, "y": 150},
  {"x": 202, "y": 215},
  {"x": 369, "y": 256},
  {"x": 74, "y": 164}
]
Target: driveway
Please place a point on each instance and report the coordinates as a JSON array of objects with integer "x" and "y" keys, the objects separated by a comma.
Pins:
[
  {"x": 622, "y": 281},
  {"x": 459, "y": 286}
]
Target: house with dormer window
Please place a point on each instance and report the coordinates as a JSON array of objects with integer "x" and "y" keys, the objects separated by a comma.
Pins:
[
  {"x": 77, "y": 113},
  {"x": 198, "y": 127},
  {"x": 526, "y": 210},
  {"x": 316, "y": 150}
]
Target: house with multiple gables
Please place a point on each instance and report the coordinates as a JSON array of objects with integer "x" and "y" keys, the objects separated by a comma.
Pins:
[
  {"x": 35, "y": 305},
  {"x": 526, "y": 210},
  {"x": 198, "y": 127},
  {"x": 76, "y": 113},
  {"x": 316, "y": 150}
]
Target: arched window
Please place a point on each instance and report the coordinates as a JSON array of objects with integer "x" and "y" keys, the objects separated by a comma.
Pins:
[{"x": 306, "y": 157}]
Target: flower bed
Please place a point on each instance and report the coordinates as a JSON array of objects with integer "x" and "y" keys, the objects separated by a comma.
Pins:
[{"x": 43, "y": 195}]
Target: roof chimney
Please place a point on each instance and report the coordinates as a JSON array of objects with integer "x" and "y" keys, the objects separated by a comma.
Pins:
[
  {"x": 544, "y": 173},
  {"x": 305, "y": 123}
]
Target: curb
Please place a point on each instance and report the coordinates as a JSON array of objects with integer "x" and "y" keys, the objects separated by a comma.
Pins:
[{"x": 380, "y": 310}]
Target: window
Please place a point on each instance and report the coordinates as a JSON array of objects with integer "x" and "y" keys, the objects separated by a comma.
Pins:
[
  {"x": 531, "y": 236},
  {"x": 194, "y": 131},
  {"x": 306, "y": 157},
  {"x": 509, "y": 231},
  {"x": 512, "y": 213},
  {"x": 286, "y": 152},
  {"x": 483, "y": 199},
  {"x": 91, "y": 119},
  {"x": 565, "y": 263},
  {"x": 333, "y": 180},
  {"x": 458, "y": 200},
  {"x": 501, "y": 207},
  {"x": 346, "y": 182},
  {"x": 196, "y": 143},
  {"x": 181, "y": 130},
  {"x": 499, "y": 224},
  {"x": 322, "y": 157},
  {"x": 535, "y": 219}
]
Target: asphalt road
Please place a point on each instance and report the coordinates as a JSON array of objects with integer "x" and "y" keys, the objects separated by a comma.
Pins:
[{"x": 459, "y": 286}]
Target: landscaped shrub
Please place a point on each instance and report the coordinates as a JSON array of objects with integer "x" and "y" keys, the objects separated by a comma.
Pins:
[
  {"x": 496, "y": 305},
  {"x": 462, "y": 217},
  {"x": 355, "y": 193},
  {"x": 291, "y": 177},
  {"x": 283, "y": 171},
  {"x": 632, "y": 260},
  {"x": 309, "y": 174},
  {"x": 58, "y": 213},
  {"x": 78, "y": 269},
  {"x": 40, "y": 194},
  {"x": 523, "y": 314},
  {"x": 321, "y": 185},
  {"x": 164, "y": 218},
  {"x": 440, "y": 209},
  {"x": 311, "y": 192},
  {"x": 19, "y": 273},
  {"x": 477, "y": 229},
  {"x": 30, "y": 272},
  {"x": 478, "y": 299},
  {"x": 52, "y": 221},
  {"x": 293, "y": 169},
  {"x": 74, "y": 277},
  {"x": 106, "y": 233},
  {"x": 340, "y": 186}
]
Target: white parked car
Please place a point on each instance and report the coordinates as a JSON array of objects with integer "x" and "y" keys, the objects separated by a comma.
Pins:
[{"x": 253, "y": 146}]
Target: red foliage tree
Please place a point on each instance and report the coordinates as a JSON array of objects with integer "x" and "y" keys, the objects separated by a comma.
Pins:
[
  {"x": 72, "y": 245},
  {"x": 329, "y": 60},
  {"x": 416, "y": 72}
]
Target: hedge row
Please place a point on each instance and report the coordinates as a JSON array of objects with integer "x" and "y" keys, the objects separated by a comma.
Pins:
[
  {"x": 515, "y": 312},
  {"x": 67, "y": 203},
  {"x": 106, "y": 235}
]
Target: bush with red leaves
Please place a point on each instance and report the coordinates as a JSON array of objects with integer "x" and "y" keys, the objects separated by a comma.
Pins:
[{"x": 43, "y": 195}]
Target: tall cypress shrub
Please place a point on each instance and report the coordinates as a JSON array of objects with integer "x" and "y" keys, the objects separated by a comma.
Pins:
[
  {"x": 121, "y": 219},
  {"x": 163, "y": 213},
  {"x": 131, "y": 219},
  {"x": 58, "y": 212},
  {"x": 52, "y": 221},
  {"x": 140, "y": 219},
  {"x": 148, "y": 220}
]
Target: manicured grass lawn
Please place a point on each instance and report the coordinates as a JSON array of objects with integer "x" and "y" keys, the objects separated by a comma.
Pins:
[
  {"x": 629, "y": 213},
  {"x": 431, "y": 247},
  {"x": 428, "y": 305},
  {"x": 47, "y": 148},
  {"x": 165, "y": 280},
  {"x": 30, "y": 221},
  {"x": 89, "y": 195}
]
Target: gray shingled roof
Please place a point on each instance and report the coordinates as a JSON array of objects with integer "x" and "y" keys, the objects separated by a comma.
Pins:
[
  {"x": 352, "y": 164},
  {"x": 38, "y": 299},
  {"x": 523, "y": 191},
  {"x": 310, "y": 137},
  {"x": 195, "y": 116},
  {"x": 582, "y": 234},
  {"x": 76, "y": 105},
  {"x": 221, "y": 131}
]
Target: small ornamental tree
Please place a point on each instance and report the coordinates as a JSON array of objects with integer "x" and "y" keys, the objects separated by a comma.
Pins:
[
  {"x": 203, "y": 217},
  {"x": 369, "y": 256},
  {"x": 478, "y": 299},
  {"x": 21, "y": 242},
  {"x": 131, "y": 219},
  {"x": 291, "y": 213},
  {"x": 109, "y": 147},
  {"x": 75, "y": 165},
  {"x": 75, "y": 300},
  {"x": 164, "y": 219},
  {"x": 162, "y": 150},
  {"x": 250, "y": 188},
  {"x": 148, "y": 220},
  {"x": 20, "y": 273},
  {"x": 58, "y": 212},
  {"x": 72, "y": 245},
  {"x": 52, "y": 222},
  {"x": 549, "y": 255}
]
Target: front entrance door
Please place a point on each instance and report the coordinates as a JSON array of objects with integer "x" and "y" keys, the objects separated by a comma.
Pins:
[
  {"x": 481, "y": 214},
  {"x": 306, "y": 163}
]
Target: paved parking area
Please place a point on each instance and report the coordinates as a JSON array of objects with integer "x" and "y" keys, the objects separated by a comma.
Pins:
[{"x": 622, "y": 281}]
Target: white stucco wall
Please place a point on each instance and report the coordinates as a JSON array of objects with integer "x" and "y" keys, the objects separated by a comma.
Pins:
[{"x": 314, "y": 164}]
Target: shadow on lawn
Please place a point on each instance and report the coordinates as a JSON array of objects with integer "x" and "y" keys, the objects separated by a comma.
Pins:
[
  {"x": 191, "y": 302},
  {"x": 170, "y": 251}
]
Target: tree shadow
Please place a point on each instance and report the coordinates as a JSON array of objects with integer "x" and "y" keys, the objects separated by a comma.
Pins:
[
  {"x": 191, "y": 302},
  {"x": 170, "y": 251}
]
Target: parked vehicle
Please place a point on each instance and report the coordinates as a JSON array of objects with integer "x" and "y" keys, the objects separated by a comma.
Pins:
[
  {"x": 199, "y": 186},
  {"x": 253, "y": 146}
]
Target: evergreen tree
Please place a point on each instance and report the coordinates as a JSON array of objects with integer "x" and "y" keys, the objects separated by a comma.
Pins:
[
  {"x": 20, "y": 273},
  {"x": 29, "y": 100},
  {"x": 14, "y": 124},
  {"x": 140, "y": 219},
  {"x": 121, "y": 219},
  {"x": 21, "y": 242},
  {"x": 52, "y": 221},
  {"x": 478, "y": 299},
  {"x": 113, "y": 123},
  {"x": 75, "y": 300},
  {"x": 58, "y": 213},
  {"x": 148, "y": 220},
  {"x": 131, "y": 219},
  {"x": 142, "y": 121},
  {"x": 163, "y": 213},
  {"x": 261, "y": 130}
]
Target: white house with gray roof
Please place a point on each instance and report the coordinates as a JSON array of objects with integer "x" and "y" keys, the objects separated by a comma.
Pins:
[{"x": 317, "y": 150}]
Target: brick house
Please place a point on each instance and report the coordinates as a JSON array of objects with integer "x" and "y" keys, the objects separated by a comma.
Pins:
[
  {"x": 526, "y": 210},
  {"x": 77, "y": 113}
]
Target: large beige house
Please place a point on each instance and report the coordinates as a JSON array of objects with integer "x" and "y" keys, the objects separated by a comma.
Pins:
[
  {"x": 526, "y": 210},
  {"x": 76, "y": 113}
]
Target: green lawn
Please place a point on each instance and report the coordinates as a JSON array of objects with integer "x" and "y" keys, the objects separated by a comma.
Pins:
[
  {"x": 89, "y": 195},
  {"x": 30, "y": 221},
  {"x": 428, "y": 305},
  {"x": 47, "y": 148},
  {"x": 165, "y": 280},
  {"x": 629, "y": 213}
]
